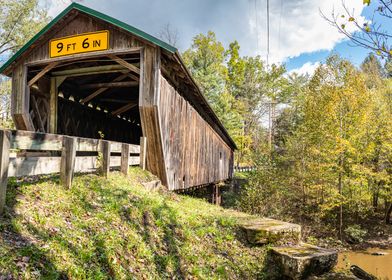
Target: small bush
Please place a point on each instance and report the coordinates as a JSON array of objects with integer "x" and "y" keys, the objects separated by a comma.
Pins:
[{"x": 355, "y": 234}]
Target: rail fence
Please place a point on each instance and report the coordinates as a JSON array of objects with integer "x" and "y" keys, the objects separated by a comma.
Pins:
[
  {"x": 25, "y": 153},
  {"x": 244, "y": 168}
]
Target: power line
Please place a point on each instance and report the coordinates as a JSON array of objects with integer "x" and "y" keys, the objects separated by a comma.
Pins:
[
  {"x": 268, "y": 32},
  {"x": 257, "y": 25},
  {"x": 280, "y": 21}
]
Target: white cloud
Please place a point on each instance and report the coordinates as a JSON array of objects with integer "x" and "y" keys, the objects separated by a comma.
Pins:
[
  {"x": 55, "y": 7},
  {"x": 296, "y": 26},
  {"x": 307, "y": 69},
  {"x": 302, "y": 28}
]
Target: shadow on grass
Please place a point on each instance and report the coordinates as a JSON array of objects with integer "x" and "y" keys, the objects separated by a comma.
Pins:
[
  {"x": 162, "y": 234},
  {"x": 171, "y": 240},
  {"x": 22, "y": 254},
  {"x": 26, "y": 257}
]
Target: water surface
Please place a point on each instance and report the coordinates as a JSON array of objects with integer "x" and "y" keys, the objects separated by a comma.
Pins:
[{"x": 380, "y": 266}]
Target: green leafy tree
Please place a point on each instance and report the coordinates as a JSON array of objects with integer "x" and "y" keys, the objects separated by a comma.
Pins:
[
  {"x": 19, "y": 21},
  {"x": 236, "y": 70},
  {"x": 335, "y": 114},
  {"x": 205, "y": 59},
  {"x": 373, "y": 70},
  {"x": 5, "y": 104},
  {"x": 388, "y": 67},
  {"x": 334, "y": 158}
]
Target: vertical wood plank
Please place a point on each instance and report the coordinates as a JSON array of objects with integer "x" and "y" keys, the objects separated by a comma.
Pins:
[
  {"x": 216, "y": 195},
  {"x": 124, "y": 158},
  {"x": 68, "y": 155},
  {"x": 143, "y": 152},
  {"x": 4, "y": 162},
  {"x": 20, "y": 99},
  {"x": 105, "y": 167},
  {"x": 53, "y": 106}
]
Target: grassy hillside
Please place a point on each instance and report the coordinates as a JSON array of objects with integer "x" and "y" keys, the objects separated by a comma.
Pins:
[{"x": 114, "y": 228}]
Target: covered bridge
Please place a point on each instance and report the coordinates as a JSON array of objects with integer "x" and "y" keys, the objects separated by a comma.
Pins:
[{"x": 89, "y": 75}]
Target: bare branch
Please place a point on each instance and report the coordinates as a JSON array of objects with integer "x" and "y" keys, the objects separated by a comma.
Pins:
[
  {"x": 370, "y": 36},
  {"x": 169, "y": 34}
]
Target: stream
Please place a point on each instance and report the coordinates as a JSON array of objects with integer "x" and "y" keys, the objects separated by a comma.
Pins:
[{"x": 378, "y": 265}]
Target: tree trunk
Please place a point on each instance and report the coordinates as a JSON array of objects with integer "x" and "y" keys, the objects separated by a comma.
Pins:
[
  {"x": 388, "y": 213},
  {"x": 375, "y": 201},
  {"x": 340, "y": 208}
]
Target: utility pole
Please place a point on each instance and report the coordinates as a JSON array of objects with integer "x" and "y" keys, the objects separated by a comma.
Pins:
[
  {"x": 270, "y": 126},
  {"x": 271, "y": 122}
]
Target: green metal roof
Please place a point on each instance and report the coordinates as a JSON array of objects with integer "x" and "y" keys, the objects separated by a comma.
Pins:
[{"x": 98, "y": 15}]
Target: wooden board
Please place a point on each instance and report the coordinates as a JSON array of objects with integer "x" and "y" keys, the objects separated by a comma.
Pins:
[
  {"x": 119, "y": 40},
  {"x": 19, "y": 167},
  {"x": 194, "y": 153},
  {"x": 149, "y": 115}
]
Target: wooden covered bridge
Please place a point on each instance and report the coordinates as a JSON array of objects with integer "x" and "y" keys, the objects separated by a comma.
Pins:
[{"x": 91, "y": 76}]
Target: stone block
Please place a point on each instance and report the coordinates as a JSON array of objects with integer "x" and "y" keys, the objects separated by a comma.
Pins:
[
  {"x": 303, "y": 260},
  {"x": 261, "y": 231}
]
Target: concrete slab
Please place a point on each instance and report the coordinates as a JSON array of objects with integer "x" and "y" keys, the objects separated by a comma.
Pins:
[
  {"x": 303, "y": 260},
  {"x": 264, "y": 231}
]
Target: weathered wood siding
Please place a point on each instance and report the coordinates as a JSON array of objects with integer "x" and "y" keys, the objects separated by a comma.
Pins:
[
  {"x": 81, "y": 23},
  {"x": 75, "y": 23},
  {"x": 20, "y": 99},
  {"x": 183, "y": 149},
  {"x": 194, "y": 153},
  {"x": 149, "y": 114}
]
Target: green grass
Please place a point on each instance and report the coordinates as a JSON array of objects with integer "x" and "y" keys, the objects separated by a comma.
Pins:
[{"x": 115, "y": 229}]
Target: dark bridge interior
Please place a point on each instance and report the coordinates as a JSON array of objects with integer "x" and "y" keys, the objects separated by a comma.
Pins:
[{"x": 97, "y": 97}]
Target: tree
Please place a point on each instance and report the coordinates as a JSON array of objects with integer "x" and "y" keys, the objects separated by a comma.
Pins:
[
  {"x": 373, "y": 70},
  {"x": 334, "y": 113},
  {"x": 205, "y": 60},
  {"x": 334, "y": 151},
  {"x": 388, "y": 67},
  {"x": 5, "y": 103},
  {"x": 235, "y": 70},
  {"x": 371, "y": 34},
  {"x": 169, "y": 34},
  {"x": 19, "y": 21}
]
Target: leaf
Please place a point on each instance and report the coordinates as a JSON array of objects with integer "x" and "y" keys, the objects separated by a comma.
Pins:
[
  {"x": 351, "y": 19},
  {"x": 367, "y": 29},
  {"x": 366, "y": 2},
  {"x": 343, "y": 26}
]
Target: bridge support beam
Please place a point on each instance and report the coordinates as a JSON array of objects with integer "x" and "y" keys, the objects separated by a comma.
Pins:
[{"x": 216, "y": 194}]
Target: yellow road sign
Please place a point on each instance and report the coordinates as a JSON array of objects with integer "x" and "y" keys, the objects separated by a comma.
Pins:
[{"x": 86, "y": 42}]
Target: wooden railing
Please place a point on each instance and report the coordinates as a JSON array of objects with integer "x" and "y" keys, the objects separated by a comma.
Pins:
[
  {"x": 244, "y": 168},
  {"x": 25, "y": 153}
]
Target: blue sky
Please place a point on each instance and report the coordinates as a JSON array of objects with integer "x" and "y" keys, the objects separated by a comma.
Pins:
[
  {"x": 346, "y": 49},
  {"x": 299, "y": 36}
]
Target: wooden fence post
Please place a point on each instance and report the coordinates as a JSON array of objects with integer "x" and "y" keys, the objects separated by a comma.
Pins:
[
  {"x": 216, "y": 194},
  {"x": 124, "y": 158},
  {"x": 105, "y": 146},
  {"x": 68, "y": 155},
  {"x": 4, "y": 162},
  {"x": 143, "y": 152}
]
